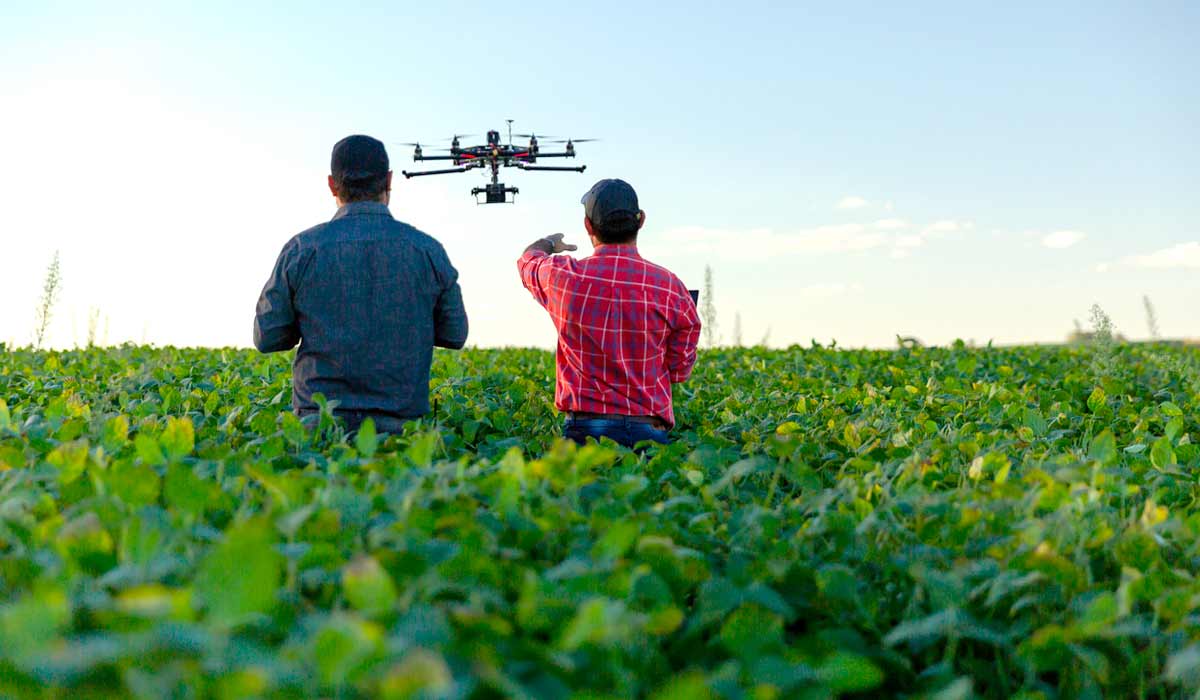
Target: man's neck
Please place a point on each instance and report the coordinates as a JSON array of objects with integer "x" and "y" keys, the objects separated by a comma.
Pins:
[{"x": 380, "y": 200}]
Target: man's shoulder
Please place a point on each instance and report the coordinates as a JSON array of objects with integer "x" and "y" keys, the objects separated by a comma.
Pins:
[
  {"x": 309, "y": 234},
  {"x": 660, "y": 275},
  {"x": 336, "y": 229},
  {"x": 418, "y": 237}
]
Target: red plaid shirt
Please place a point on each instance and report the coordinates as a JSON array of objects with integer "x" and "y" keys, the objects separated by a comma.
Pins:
[{"x": 627, "y": 329}]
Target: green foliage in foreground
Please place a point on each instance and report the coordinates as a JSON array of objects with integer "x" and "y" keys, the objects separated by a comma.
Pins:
[{"x": 922, "y": 523}]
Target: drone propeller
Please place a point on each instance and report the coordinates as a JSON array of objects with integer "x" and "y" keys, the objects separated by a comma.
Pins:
[
  {"x": 531, "y": 136},
  {"x": 572, "y": 140},
  {"x": 434, "y": 141}
]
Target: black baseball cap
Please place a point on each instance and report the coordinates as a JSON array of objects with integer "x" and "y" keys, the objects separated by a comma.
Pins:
[
  {"x": 358, "y": 158},
  {"x": 610, "y": 200}
]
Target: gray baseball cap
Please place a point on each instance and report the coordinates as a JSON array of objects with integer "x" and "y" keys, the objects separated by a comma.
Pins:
[
  {"x": 610, "y": 199},
  {"x": 358, "y": 158}
]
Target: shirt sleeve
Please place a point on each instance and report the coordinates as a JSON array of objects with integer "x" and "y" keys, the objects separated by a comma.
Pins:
[
  {"x": 681, "y": 344},
  {"x": 449, "y": 314},
  {"x": 275, "y": 327},
  {"x": 534, "y": 266}
]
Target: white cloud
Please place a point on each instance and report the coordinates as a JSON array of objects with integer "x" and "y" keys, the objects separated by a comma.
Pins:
[
  {"x": 1062, "y": 239},
  {"x": 1179, "y": 256},
  {"x": 891, "y": 224},
  {"x": 852, "y": 203},
  {"x": 1103, "y": 267},
  {"x": 898, "y": 236},
  {"x": 904, "y": 243},
  {"x": 947, "y": 226}
]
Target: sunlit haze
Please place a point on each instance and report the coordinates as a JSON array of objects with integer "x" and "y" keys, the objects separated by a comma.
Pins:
[{"x": 849, "y": 172}]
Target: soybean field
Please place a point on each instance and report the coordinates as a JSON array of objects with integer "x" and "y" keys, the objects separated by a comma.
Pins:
[{"x": 949, "y": 522}]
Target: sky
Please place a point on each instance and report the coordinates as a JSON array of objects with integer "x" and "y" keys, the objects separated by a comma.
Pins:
[{"x": 850, "y": 172}]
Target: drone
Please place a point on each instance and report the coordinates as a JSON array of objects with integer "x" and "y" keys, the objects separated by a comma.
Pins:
[{"x": 495, "y": 155}]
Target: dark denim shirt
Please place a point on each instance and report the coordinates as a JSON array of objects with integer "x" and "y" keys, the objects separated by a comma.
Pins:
[{"x": 367, "y": 297}]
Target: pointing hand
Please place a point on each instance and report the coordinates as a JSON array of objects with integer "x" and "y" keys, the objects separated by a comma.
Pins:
[{"x": 556, "y": 240}]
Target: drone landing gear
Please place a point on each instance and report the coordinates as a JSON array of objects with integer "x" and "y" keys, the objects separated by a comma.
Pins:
[{"x": 496, "y": 193}]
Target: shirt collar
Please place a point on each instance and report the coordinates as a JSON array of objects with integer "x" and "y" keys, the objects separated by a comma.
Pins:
[
  {"x": 362, "y": 209},
  {"x": 626, "y": 249}
]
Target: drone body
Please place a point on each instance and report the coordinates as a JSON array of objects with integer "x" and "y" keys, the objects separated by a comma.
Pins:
[{"x": 495, "y": 155}]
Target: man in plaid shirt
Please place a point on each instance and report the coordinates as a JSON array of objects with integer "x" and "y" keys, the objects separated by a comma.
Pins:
[{"x": 627, "y": 328}]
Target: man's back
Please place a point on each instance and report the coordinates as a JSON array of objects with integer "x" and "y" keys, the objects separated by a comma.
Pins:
[
  {"x": 368, "y": 298},
  {"x": 626, "y": 329}
]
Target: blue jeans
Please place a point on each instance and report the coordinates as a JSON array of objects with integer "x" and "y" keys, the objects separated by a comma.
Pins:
[{"x": 620, "y": 430}]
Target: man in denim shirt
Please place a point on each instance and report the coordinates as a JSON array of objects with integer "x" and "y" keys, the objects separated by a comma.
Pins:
[{"x": 366, "y": 296}]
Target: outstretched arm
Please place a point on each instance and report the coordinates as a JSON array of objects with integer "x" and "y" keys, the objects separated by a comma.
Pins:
[
  {"x": 551, "y": 244},
  {"x": 530, "y": 263}
]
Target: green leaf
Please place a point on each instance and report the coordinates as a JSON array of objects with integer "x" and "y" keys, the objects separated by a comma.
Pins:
[
  {"x": 116, "y": 433},
  {"x": 293, "y": 429},
  {"x": 1097, "y": 400},
  {"x": 838, "y": 582},
  {"x": 1170, "y": 409},
  {"x": 135, "y": 484},
  {"x": 851, "y": 437},
  {"x": 598, "y": 621},
  {"x": 368, "y": 587},
  {"x": 1104, "y": 448},
  {"x": 31, "y": 623},
  {"x": 149, "y": 450},
  {"x": 690, "y": 686},
  {"x": 751, "y": 629},
  {"x": 617, "y": 540},
  {"x": 422, "y": 447},
  {"x": 1161, "y": 454},
  {"x": 1002, "y": 473},
  {"x": 366, "y": 441},
  {"x": 420, "y": 674},
  {"x": 178, "y": 439},
  {"x": 237, "y": 580},
  {"x": 70, "y": 459},
  {"x": 1035, "y": 422},
  {"x": 186, "y": 492},
  {"x": 664, "y": 621},
  {"x": 844, "y": 672},
  {"x": 923, "y": 630},
  {"x": 1173, "y": 428},
  {"x": 344, "y": 647},
  {"x": 1101, "y": 612}
]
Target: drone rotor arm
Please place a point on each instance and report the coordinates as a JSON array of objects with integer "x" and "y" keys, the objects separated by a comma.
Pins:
[
  {"x": 446, "y": 171},
  {"x": 551, "y": 168}
]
